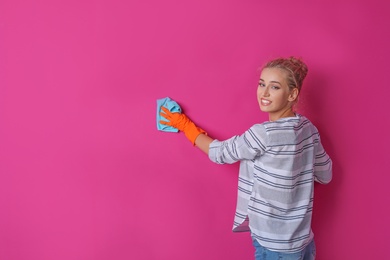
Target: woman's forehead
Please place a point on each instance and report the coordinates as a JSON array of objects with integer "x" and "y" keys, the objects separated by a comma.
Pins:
[{"x": 272, "y": 74}]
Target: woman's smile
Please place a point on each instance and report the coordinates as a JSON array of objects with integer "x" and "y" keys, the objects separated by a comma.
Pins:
[{"x": 265, "y": 102}]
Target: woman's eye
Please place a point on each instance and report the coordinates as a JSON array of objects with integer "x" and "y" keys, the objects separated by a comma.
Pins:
[
  {"x": 275, "y": 87},
  {"x": 261, "y": 85}
]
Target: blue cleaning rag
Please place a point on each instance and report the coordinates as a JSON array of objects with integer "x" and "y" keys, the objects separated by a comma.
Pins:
[{"x": 172, "y": 106}]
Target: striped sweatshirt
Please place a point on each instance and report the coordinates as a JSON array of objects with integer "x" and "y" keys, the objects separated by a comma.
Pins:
[{"x": 279, "y": 162}]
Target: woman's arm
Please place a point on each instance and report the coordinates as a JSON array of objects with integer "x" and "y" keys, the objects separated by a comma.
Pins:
[
  {"x": 196, "y": 135},
  {"x": 183, "y": 123},
  {"x": 203, "y": 142}
]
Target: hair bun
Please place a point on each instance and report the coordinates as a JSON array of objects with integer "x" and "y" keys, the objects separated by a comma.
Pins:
[
  {"x": 300, "y": 67},
  {"x": 295, "y": 67}
]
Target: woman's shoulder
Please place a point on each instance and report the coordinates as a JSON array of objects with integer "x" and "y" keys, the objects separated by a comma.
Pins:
[{"x": 287, "y": 123}]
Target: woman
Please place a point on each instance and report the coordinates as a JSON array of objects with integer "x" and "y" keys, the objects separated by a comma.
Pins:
[{"x": 280, "y": 160}]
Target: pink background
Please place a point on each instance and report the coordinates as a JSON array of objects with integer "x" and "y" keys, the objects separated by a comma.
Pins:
[{"x": 84, "y": 174}]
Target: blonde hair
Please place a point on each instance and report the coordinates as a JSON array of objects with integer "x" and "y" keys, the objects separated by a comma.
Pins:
[{"x": 296, "y": 70}]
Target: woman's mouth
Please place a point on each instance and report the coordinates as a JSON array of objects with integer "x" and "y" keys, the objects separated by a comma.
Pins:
[{"x": 265, "y": 102}]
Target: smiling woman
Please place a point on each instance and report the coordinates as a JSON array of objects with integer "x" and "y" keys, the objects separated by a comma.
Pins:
[{"x": 280, "y": 160}]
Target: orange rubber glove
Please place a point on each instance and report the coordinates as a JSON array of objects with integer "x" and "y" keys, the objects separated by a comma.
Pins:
[{"x": 183, "y": 123}]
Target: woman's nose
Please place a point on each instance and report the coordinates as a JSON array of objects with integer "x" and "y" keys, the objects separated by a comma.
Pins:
[{"x": 266, "y": 92}]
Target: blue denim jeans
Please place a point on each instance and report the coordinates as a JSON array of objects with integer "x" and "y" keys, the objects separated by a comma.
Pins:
[{"x": 261, "y": 253}]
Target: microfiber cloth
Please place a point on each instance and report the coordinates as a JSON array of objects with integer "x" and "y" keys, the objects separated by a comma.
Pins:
[{"x": 172, "y": 106}]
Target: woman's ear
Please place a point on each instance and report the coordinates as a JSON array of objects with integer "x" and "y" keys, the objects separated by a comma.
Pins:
[{"x": 293, "y": 94}]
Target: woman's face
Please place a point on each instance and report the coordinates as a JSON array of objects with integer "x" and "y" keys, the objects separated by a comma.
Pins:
[{"x": 274, "y": 95}]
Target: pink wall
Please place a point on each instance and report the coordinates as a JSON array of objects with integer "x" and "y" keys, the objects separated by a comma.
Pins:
[{"x": 84, "y": 174}]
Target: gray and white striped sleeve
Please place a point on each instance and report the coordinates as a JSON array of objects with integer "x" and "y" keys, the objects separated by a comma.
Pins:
[
  {"x": 322, "y": 165},
  {"x": 244, "y": 147}
]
